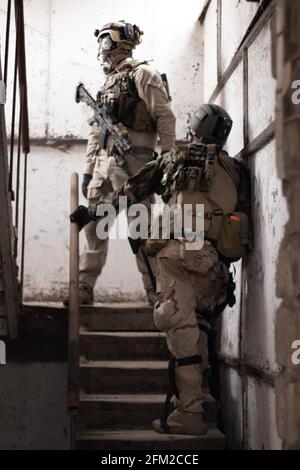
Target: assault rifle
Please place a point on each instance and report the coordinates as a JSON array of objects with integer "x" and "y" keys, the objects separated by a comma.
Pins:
[{"x": 122, "y": 146}]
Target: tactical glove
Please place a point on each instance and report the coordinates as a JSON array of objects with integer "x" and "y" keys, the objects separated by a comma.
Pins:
[
  {"x": 85, "y": 182},
  {"x": 81, "y": 217}
]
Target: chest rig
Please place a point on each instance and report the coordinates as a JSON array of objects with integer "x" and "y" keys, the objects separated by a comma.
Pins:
[
  {"x": 191, "y": 170},
  {"x": 202, "y": 174},
  {"x": 123, "y": 104}
]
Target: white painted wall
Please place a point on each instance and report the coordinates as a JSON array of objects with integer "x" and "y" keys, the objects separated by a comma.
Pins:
[
  {"x": 61, "y": 51},
  {"x": 47, "y": 244},
  {"x": 236, "y": 18},
  {"x": 231, "y": 99},
  {"x": 270, "y": 215},
  {"x": 247, "y": 332},
  {"x": 171, "y": 39},
  {"x": 261, "y": 417},
  {"x": 210, "y": 73},
  {"x": 262, "y": 85}
]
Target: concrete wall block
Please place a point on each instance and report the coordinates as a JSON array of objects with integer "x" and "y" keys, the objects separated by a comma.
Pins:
[
  {"x": 291, "y": 73},
  {"x": 269, "y": 214},
  {"x": 261, "y": 417},
  {"x": 236, "y": 17},
  {"x": 262, "y": 85},
  {"x": 287, "y": 408},
  {"x": 291, "y": 144},
  {"x": 293, "y": 197},
  {"x": 287, "y": 333},
  {"x": 288, "y": 272},
  {"x": 291, "y": 12}
]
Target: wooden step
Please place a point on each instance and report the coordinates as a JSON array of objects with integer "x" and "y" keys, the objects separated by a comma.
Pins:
[
  {"x": 96, "y": 345},
  {"x": 118, "y": 317},
  {"x": 98, "y": 317},
  {"x": 147, "y": 440},
  {"x": 123, "y": 377},
  {"x": 128, "y": 411}
]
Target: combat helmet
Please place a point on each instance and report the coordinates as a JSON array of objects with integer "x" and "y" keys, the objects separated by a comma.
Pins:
[
  {"x": 211, "y": 124},
  {"x": 113, "y": 35}
]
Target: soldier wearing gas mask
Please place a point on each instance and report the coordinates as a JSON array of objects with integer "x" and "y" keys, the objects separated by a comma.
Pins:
[
  {"x": 137, "y": 99},
  {"x": 193, "y": 285}
]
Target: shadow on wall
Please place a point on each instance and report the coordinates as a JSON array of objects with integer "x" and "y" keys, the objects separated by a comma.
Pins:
[{"x": 232, "y": 407}]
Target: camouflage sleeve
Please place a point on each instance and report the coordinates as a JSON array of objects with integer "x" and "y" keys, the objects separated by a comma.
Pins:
[
  {"x": 137, "y": 188},
  {"x": 145, "y": 182}
]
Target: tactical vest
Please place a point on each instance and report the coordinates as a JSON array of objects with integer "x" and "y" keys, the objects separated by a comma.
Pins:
[
  {"x": 120, "y": 96},
  {"x": 202, "y": 175}
]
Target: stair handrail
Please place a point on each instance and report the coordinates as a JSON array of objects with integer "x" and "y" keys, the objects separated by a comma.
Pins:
[{"x": 10, "y": 182}]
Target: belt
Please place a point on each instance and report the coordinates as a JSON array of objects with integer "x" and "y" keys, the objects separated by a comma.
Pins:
[{"x": 137, "y": 151}]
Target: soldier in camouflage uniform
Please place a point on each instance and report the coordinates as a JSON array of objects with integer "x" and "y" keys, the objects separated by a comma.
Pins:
[
  {"x": 193, "y": 282},
  {"x": 137, "y": 99}
]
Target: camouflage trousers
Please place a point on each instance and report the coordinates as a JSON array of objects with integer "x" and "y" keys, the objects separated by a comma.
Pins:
[
  {"x": 188, "y": 280},
  {"x": 108, "y": 176}
]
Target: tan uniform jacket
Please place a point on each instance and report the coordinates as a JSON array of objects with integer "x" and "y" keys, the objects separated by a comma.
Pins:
[{"x": 152, "y": 91}]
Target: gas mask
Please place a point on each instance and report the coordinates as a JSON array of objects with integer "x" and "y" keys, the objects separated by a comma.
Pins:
[
  {"x": 110, "y": 54},
  {"x": 116, "y": 41}
]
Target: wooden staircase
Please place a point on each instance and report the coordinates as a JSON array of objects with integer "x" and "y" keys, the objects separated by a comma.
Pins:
[{"x": 123, "y": 377}]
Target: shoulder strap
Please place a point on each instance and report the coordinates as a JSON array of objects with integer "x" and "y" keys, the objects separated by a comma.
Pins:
[
  {"x": 229, "y": 165},
  {"x": 241, "y": 177},
  {"x": 136, "y": 63}
]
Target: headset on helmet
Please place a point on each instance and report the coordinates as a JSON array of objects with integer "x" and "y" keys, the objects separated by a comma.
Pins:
[
  {"x": 121, "y": 32},
  {"x": 212, "y": 124}
]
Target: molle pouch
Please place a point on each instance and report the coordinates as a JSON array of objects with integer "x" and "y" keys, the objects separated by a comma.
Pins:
[
  {"x": 141, "y": 119},
  {"x": 215, "y": 221},
  {"x": 124, "y": 108},
  {"x": 234, "y": 238}
]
